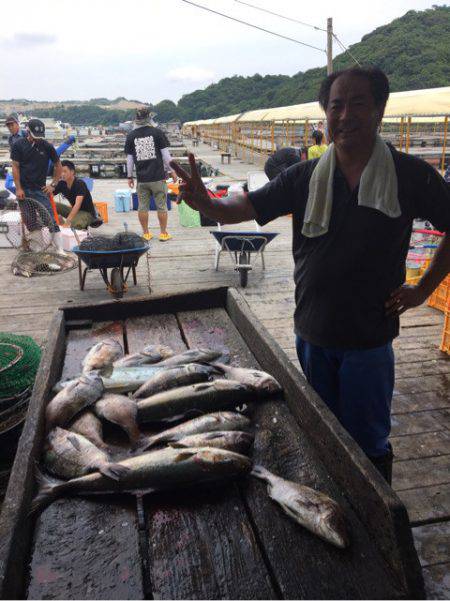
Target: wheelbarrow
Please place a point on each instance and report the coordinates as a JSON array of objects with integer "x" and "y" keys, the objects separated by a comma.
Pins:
[
  {"x": 244, "y": 249},
  {"x": 120, "y": 262}
]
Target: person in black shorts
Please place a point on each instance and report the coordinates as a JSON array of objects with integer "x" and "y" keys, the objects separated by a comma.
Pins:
[{"x": 81, "y": 212}]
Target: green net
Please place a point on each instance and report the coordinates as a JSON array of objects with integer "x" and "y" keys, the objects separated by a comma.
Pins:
[{"x": 19, "y": 361}]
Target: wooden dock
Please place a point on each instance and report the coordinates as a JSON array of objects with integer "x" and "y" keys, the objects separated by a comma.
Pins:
[{"x": 421, "y": 406}]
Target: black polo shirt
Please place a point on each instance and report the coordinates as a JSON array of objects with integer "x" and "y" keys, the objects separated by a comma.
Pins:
[
  {"x": 33, "y": 160},
  {"x": 78, "y": 188},
  {"x": 343, "y": 278}
]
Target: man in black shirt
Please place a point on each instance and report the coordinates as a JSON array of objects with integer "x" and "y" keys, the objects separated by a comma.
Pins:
[
  {"x": 349, "y": 277},
  {"x": 147, "y": 148},
  {"x": 81, "y": 212},
  {"x": 12, "y": 123},
  {"x": 30, "y": 158}
]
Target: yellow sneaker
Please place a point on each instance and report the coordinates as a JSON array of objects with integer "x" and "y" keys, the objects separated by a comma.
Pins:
[
  {"x": 164, "y": 237},
  {"x": 147, "y": 236}
]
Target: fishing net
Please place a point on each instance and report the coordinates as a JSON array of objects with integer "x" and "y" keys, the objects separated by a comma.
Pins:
[
  {"x": 46, "y": 262},
  {"x": 19, "y": 361},
  {"x": 33, "y": 228},
  {"x": 120, "y": 241}
]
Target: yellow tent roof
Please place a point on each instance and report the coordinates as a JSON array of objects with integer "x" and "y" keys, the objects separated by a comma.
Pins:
[{"x": 434, "y": 101}]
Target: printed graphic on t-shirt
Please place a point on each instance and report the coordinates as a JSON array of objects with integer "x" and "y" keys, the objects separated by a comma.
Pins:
[{"x": 145, "y": 148}]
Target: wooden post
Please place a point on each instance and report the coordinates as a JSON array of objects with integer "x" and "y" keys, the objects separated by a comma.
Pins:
[
  {"x": 400, "y": 143},
  {"x": 408, "y": 134},
  {"x": 444, "y": 143},
  {"x": 272, "y": 136},
  {"x": 305, "y": 134},
  {"x": 329, "y": 46}
]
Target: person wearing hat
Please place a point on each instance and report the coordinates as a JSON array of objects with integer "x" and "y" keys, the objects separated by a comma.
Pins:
[
  {"x": 147, "y": 148},
  {"x": 12, "y": 123},
  {"x": 30, "y": 157}
]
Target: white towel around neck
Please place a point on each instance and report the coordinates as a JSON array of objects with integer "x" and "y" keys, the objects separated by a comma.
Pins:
[{"x": 378, "y": 188}]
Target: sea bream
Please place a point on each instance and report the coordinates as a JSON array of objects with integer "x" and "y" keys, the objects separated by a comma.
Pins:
[
  {"x": 173, "y": 377},
  {"x": 196, "y": 355},
  {"x": 70, "y": 455},
  {"x": 164, "y": 469},
  {"x": 197, "y": 398},
  {"x": 260, "y": 381},
  {"x": 311, "y": 509},
  {"x": 88, "y": 425},
  {"x": 102, "y": 356},
  {"x": 152, "y": 353},
  {"x": 122, "y": 411},
  {"x": 238, "y": 442},
  {"x": 211, "y": 422},
  {"x": 73, "y": 398}
]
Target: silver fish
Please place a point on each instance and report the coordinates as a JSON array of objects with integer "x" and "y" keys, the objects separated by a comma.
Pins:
[
  {"x": 122, "y": 411},
  {"x": 238, "y": 442},
  {"x": 150, "y": 354},
  {"x": 173, "y": 377},
  {"x": 88, "y": 425},
  {"x": 164, "y": 469},
  {"x": 129, "y": 379},
  {"x": 260, "y": 381},
  {"x": 70, "y": 455},
  {"x": 73, "y": 398},
  {"x": 196, "y": 355},
  {"x": 211, "y": 422},
  {"x": 102, "y": 356},
  {"x": 311, "y": 509},
  {"x": 203, "y": 397}
]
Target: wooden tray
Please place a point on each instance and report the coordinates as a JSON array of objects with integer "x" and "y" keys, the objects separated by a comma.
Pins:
[{"x": 214, "y": 542}]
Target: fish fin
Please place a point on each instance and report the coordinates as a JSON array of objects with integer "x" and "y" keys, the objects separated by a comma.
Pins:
[
  {"x": 213, "y": 435},
  {"x": 184, "y": 455},
  {"x": 48, "y": 490},
  {"x": 260, "y": 472},
  {"x": 141, "y": 444},
  {"x": 106, "y": 371},
  {"x": 115, "y": 471},
  {"x": 74, "y": 442}
]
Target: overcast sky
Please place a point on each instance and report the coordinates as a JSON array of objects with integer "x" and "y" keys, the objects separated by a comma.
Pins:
[{"x": 154, "y": 49}]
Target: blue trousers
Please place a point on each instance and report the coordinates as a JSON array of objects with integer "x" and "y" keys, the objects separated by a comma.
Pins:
[
  {"x": 42, "y": 198},
  {"x": 357, "y": 385}
]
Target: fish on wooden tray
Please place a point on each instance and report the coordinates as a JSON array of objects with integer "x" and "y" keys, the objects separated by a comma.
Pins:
[
  {"x": 197, "y": 398},
  {"x": 260, "y": 381},
  {"x": 211, "y": 422},
  {"x": 196, "y": 355},
  {"x": 70, "y": 455},
  {"x": 152, "y": 353},
  {"x": 174, "y": 377},
  {"x": 129, "y": 379},
  {"x": 238, "y": 442},
  {"x": 122, "y": 411},
  {"x": 102, "y": 356},
  {"x": 164, "y": 469},
  {"x": 88, "y": 425},
  {"x": 73, "y": 398},
  {"x": 311, "y": 509}
]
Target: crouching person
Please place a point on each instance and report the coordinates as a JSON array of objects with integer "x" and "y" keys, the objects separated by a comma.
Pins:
[{"x": 81, "y": 212}]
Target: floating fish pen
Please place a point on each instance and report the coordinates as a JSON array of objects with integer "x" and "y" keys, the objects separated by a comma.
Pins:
[{"x": 221, "y": 541}]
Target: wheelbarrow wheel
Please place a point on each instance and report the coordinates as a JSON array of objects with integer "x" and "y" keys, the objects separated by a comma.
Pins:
[
  {"x": 117, "y": 284},
  {"x": 243, "y": 271}
]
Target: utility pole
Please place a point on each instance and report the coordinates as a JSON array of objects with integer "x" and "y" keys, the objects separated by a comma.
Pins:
[{"x": 329, "y": 46}]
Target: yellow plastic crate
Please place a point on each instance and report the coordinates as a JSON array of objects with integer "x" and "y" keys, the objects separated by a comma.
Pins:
[
  {"x": 445, "y": 341},
  {"x": 440, "y": 299}
]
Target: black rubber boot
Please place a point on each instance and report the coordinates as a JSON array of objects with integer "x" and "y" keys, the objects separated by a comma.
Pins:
[{"x": 384, "y": 464}]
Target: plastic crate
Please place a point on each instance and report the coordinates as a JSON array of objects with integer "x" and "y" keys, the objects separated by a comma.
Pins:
[
  {"x": 445, "y": 341},
  {"x": 102, "y": 210},
  {"x": 122, "y": 201},
  {"x": 440, "y": 299}
]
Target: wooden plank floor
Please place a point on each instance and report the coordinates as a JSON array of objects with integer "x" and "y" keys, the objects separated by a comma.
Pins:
[{"x": 421, "y": 405}]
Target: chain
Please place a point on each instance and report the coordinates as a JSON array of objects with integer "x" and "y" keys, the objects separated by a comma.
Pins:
[{"x": 147, "y": 258}]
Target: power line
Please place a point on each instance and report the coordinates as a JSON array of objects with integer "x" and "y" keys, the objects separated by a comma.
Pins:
[
  {"x": 279, "y": 35},
  {"x": 264, "y": 10},
  {"x": 345, "y": 49}
]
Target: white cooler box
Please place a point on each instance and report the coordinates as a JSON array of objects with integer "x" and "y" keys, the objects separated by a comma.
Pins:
[
  {"x": 10, "y": 229},
  {"x": 68, "y": 240}
]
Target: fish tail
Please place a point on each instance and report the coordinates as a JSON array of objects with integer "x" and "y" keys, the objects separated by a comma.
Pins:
[
  {"x": 260, "y": 472},
  {"x": 48, "y": 490},
  {"x": 115, "y": 471}
]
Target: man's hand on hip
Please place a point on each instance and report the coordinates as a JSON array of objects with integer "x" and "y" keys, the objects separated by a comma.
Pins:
[
  {"x": 404, "y": 298},
  {"x": 131, "y": 182},
  {"x": 20, "y": 194}
]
